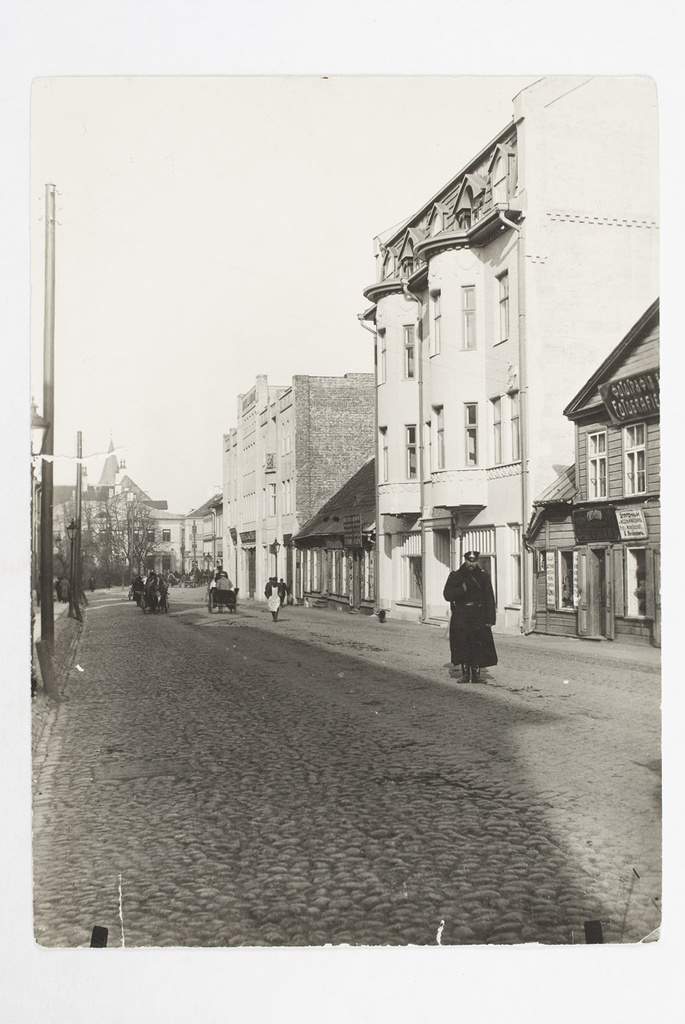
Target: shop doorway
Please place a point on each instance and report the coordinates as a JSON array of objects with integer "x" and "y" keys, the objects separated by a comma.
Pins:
[
  {"x": 251, "y": 559},
  {"x": 597, "y": 597}
]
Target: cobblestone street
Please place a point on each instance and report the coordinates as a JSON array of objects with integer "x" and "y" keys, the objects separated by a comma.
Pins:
[{"x": 224, "y": 780}]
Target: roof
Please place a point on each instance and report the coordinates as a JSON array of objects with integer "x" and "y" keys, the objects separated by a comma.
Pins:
[
  {"x": 110, "y": 469},
  {"x": 646, "y": 323},
  {"x": 197, "y": 513},
  {"x": 561, "y": 489},
  {"x": 358, "y": 494}
]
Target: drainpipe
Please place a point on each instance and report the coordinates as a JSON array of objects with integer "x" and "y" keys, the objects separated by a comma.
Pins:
[
  {"x": 419, "y": 342},
  {"x": 377, "y": 560},
  {"x": 526, "y": 576}
]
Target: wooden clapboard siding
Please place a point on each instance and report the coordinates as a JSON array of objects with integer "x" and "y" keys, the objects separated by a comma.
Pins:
[
  {"x": 653, "y": 520},
  {"x": 615, "y": 462},
  {"x": 633, "y": 631},
  {"x": 557, "y": 623},
  {"x": 645, "y": 356}
]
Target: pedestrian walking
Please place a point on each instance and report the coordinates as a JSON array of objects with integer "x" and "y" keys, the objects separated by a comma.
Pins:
[
  {"x": 273, "y": 599},
  {"x": 472, "y": 603},
  {"x": 283, "y": 591}
]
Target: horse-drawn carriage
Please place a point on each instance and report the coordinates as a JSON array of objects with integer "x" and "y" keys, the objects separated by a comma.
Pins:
[
  {"x": 150, "y": 595},
  {"x": 222, "y": 595}
]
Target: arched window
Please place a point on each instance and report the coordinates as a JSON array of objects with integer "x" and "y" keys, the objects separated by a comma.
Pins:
[{"x": 437, "y": 222}]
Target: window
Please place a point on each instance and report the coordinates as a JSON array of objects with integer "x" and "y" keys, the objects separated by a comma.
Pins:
[
  {"x": 409, "y": 363},
  {"x": 383, "y": 444},
  {"x": 635, "y": 459},
  {"x": 471, "y": 426},
  {"x": 288, "y": 497},
  {"x": 497, "y": 430},
  {"x": 166, "y": 563},
  {"x": 436, "y": 222},
  {"x": 597, "y": 465},
  {"x": 515, "y": 534},
  {"x": 166, "y": 535},
  {"x": 382, "y": 357},
  {"x": 515, "y": 417},
  {"x": 468, "y": 308},
  {"x": 437, "y": 324},
  {"x": 150, "y": 535},
  {"x": 499, "y": 181},
  {"x": 566, "y": 579},
  {"x": 272, "y": 499},
  {"x": 411, "y": 452},
  {"x": 636, "y": 582},
  {"x": 439, "y": 417},
  {"x": 415, "y": 578},
  {"x": 464, "y": 218},
  {"x": 503, "y": 306}
]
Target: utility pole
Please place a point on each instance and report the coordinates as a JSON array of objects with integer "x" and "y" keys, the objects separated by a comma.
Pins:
[
  {"x": 75, "y": 587},
  {"x": 46, "y": 645}
]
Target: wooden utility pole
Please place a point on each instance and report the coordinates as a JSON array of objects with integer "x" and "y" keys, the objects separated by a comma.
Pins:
[{"x": 47, "y": 608}]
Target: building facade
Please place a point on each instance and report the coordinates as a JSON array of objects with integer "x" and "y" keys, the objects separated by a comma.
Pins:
[
  {"x": 338, "y": 547},
  {"x": 597, "y": 540},
  {"x": 491, "y": 303},
  {"x": 292, "y": 449}
]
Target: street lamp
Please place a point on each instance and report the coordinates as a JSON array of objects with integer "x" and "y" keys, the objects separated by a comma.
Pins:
[{"x": 74, "y": 610}]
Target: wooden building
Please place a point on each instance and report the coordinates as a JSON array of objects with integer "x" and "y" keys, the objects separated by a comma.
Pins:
[
  {"x": 338, "y": 550},
  {"x": 596, "y": 532}
]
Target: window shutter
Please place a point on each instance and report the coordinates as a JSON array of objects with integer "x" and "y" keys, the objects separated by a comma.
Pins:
[
  {"x": 619, "y": 585},
  {"x": 551, "y": 579},
  {"x": 610, "y": 609},
  {"x": 649, "y": 583}
]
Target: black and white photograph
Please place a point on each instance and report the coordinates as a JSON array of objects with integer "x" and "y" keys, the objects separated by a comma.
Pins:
[{"x": 343, "y": 546}]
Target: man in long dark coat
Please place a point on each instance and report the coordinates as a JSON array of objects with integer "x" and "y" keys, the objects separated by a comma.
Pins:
[{"x": 472, "y": 603}]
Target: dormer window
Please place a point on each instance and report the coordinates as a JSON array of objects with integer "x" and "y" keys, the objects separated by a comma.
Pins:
[
  {"x": 437, "y": 219},
  {"x": 502, "y": 174},
  {"x": 464, "y": 219}
]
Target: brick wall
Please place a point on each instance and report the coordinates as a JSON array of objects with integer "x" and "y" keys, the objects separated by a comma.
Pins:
[{"x": 334, "y": 435}]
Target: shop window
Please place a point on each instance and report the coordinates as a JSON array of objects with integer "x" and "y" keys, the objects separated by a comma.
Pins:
[
  {"x": 503, "y": 280},
  {"x": 414, "y": 578},
  {"x": 409, "y": 353},
  {"x": 567, "y": 579},
  {"x": 468, "y": 313},
  {"x": 411, "y": 454},
  {"x": 635, "y": 459},
  {"x": 597, "y": 465},
  {"x": 636, "y": 582},
  {"x": 471, "y": 428},
  {"x": 497, "y": 431}
]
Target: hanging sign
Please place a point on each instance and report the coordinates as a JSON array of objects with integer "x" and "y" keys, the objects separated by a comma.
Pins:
[
  {"x": 632, "y": 398},
  {"x": 631, "y": 523}
]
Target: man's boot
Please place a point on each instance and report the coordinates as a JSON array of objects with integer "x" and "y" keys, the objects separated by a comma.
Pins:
[
  {"x": 475, "y": 673},
  {"x": 465, "y": 674}
]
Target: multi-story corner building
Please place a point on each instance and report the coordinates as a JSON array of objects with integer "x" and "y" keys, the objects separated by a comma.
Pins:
[
  {"x": 597, "y": 534},
  {"x": 492, "y": 303},
  {"x": 292, "y": 449}
]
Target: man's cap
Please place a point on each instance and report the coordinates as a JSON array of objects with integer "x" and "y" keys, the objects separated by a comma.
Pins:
[{"x": 472, "y": 556}]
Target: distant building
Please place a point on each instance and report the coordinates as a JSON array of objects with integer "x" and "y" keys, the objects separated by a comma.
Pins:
[
  {"x": 203, "y": 536},
  {"x": 338, "y": 547},
  {"x": 492, "y": 303},
  {"x": 596, "y": 533},
  {"x": 292, "y": 449}
]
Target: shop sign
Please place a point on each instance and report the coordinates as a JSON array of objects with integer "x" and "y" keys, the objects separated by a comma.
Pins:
[
  {"x": 591, "y": 525},
  {"x": 248, "y": 537},
  {"x": 352, "y": 530},
  {"x": 632, "y": 398},
  {"x": 550, "y": 576},
  {"x": 631, "y": 523}
]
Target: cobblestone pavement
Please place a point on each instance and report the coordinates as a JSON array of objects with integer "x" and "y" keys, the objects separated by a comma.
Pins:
[{"x": 227, "y": 780}]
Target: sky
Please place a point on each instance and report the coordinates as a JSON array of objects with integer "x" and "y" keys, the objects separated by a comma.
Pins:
[{"x": 210, "y": 229}]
